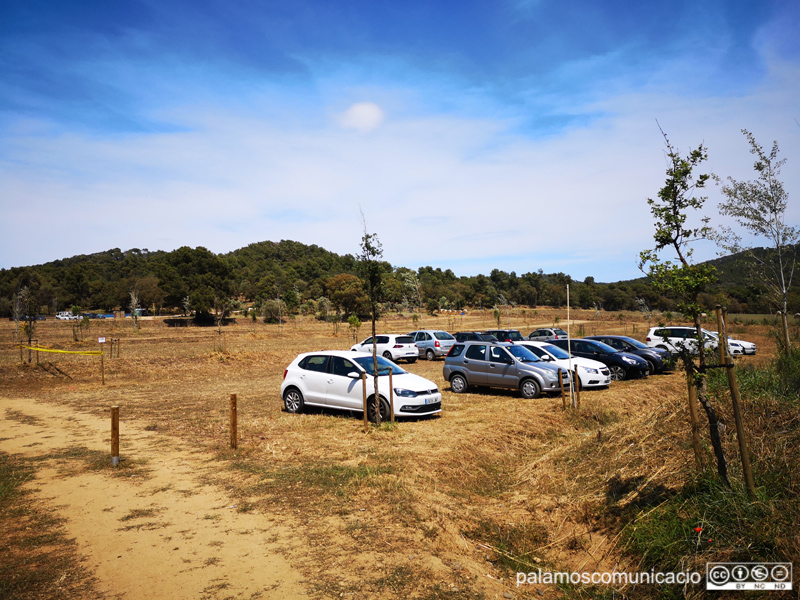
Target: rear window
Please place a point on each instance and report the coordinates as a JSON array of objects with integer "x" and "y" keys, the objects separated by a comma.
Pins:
[
  {"x": 559, "y": 332},
  {"x": 404, "y": 339},
  {"x": 456, "y": 350},
  {"x": 315, "y": 363},
  {"x": 443, "y": 335}
]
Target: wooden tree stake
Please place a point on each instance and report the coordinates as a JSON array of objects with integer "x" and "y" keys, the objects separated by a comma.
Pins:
[{"x": 364, "y": 388}]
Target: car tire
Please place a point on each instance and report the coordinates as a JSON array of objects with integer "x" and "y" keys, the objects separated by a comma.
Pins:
[
  {"x": 616, "y": 372},
  {"x": 385, "y": 410},
  {"x": 458, "y": 384},
  {"x": 430, "y": 354},
  {"x": 651, "y": 367},
  {"x": 411, "y": 361},
  {"x": 293, "y": 400},
  {"x": 387, "y": 355},
  {"x": 529, "y": 388}
]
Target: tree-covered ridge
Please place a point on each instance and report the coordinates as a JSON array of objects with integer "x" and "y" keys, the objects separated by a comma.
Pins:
[{"x": 291, "y": 276}]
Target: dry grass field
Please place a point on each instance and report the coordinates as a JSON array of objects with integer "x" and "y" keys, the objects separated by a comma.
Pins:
[{"x": 450, "y": 506}]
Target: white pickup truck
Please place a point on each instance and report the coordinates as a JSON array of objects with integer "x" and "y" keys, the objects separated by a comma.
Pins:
[{"x": 66, "y": 315}]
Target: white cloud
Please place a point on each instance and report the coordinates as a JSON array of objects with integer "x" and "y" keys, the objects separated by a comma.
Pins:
[{"x": 362, "y": 116}]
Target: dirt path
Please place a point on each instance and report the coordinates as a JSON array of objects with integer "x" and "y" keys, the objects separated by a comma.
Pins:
[{"x": 163, "y": 535}]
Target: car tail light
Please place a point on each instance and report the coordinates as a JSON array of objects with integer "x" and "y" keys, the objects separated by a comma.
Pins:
[
  {"x": 438, "y": 345},
  {"x": 285, "y": 372},
  {"x": 398, "y": 346},
  {"x": 647, "y": 339}
]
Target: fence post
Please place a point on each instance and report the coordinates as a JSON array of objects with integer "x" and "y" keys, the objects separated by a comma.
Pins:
[
  {"x": 234, "y": 423},
  {"x": 736, "y": 400},
  {"x": 364, "y": 389},
  {"x": 114, "y": 436},
  {"x": 391, "y": 397}
]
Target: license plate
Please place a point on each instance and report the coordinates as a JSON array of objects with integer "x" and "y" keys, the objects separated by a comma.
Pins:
[{"x": 431, "y": 400}]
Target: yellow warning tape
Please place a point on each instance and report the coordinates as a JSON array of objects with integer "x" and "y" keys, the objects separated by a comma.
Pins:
[{"x": 84, "y": 352}]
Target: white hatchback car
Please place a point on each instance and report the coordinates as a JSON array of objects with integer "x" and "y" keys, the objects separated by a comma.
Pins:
[
  {"x": 591, "y": 373},
  {"x": 392, "y": 346},
  {"x": 332, "y": 379}
]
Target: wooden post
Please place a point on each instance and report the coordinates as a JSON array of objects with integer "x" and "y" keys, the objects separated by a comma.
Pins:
[
  {"x": 391, "y": 397},
  {"x": 364, "y": 389},
  {"x": 698, "y": 459},
  {"x": 736, "y": 400},
  {"x": 21, "y": 357},
  {"x": 576, "y": 380},
  {"x": 102, "y": 367},
  {"x": 561, "y": 384},
  {"x": 114, "y": 436},
  {"x": 234, "y": 443},
  {"x": 785, "y": 318}
]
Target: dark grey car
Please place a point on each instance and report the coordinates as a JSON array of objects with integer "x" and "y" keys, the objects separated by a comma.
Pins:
[{"x": 503, "y": 365}]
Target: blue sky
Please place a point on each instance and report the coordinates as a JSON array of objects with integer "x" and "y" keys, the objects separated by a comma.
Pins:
[{"x": 516, "y": 135}]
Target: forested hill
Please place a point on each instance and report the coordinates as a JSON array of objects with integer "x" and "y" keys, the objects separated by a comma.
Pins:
[{"x": 195, "y": 279}]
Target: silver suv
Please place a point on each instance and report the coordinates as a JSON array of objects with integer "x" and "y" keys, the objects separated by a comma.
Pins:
[
  {"x": 500, "y": 364},
  {"x": 432, "y": 343}
]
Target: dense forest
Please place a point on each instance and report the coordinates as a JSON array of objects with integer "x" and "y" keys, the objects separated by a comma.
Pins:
[{"x": 290, "y": 277}]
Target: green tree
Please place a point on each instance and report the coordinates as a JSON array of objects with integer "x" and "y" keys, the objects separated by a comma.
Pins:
[
  {"x": 372, "y": 271},
  {"x": 684, "y": 279},
  {"x": 759, "y": 207}
]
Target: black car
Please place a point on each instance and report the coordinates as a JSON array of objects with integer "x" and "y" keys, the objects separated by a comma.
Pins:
[
  {"x": 506, "y": 335},
  {"x": 474, "y": 336},
  {"x": 621, "y": 365},
  {"x": 658, "y": 360}
]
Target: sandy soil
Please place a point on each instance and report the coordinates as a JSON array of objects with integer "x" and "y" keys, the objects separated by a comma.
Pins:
[{"x": 166, "y": 535}]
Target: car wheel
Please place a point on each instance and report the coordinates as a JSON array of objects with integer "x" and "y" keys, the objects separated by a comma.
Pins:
[
  {"x": 411, "y": 361},
  {"x": 651, "y": 367},
  {"x": 387, "y": 355},
  {"x": 617, "y": 373},
  {"x": 430, "y": 354},
  {"x": 384, "y": 410},
  {"x": 529, "y": 389},
  {"x": 293, "y": 400},
  {"x": 458, "y": 383}
]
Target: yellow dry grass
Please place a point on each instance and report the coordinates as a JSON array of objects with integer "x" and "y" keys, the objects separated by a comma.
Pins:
[{"x": 494, "y": 481}]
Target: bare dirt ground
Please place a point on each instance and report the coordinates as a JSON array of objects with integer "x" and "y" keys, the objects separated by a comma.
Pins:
[{"x": 309, "y": 505}]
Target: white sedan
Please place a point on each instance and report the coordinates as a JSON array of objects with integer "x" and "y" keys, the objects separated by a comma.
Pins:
[
  {"x": 392, "y": 346},
  {"x": 333, "y": 379},
  {"x": 591, "y": 373}
]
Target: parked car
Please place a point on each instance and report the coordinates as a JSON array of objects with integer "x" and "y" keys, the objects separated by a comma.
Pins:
[
  {"x": 548, "y": 333},
  {"x": 735, "y": 347},
  {"x": 621, "y": 365},
  {"x": 658, "y": 359},
  {"x": 678, "y": 338},
  {"x": 591, "y": 373},
  {"x": 392, "y": 346},
  {"x": 474, "y": 336},
  {"x": 506, "y": 335},
  {"x": 500, "y": 364},
  {"x": 432, "y": 343},
  {"x": 332, "y": 379}
]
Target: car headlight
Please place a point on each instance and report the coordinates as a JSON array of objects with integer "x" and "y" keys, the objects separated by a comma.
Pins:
[
  {"x": 629, "y": 360},
  {"x": 403, "y": 393},
  {"x": 590, "y": 370}
]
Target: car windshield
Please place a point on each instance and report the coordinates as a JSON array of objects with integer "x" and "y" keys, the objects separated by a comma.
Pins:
[
  {"x": 384, "y": 366},
  {"x": 635, "y": 343},
  {"x": 556, "y": 351},
  {"x": 603, "y": 347},
  {"x": 515, "y": 336},
  {"x": 523, "y": 354}
]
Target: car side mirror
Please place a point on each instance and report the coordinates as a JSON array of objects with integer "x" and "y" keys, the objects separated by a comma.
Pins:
[{"x": 354, "y": 375}]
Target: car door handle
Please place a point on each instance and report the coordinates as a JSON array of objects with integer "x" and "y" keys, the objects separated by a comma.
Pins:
[{"x": 330, "y": 380}]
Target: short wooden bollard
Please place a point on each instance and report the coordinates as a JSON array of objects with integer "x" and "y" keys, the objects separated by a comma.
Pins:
[
  {"x": 364, "y": 388},
  {"x": 577, "y": 381},
  {"x": 102, "y": 367},
  {"x": 561, "y": 384},
  {"x": 114, "y": 436},
  {"x": 234, "y": 443}
]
